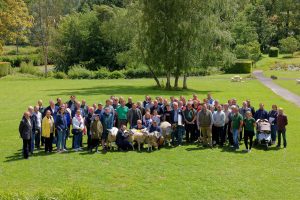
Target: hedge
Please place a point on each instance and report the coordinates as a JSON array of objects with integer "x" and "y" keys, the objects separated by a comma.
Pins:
[
  {"x": 4, "y": 68},
  {"x": 273, "y": 52},
  {"x": 79, "y": 72},
  {"x": 240, "y": 67}
]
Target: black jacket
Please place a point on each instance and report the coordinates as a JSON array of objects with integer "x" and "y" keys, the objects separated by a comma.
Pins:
[
  {"x": 172, "y": 116},
  {"x": 25, "y": 129}
]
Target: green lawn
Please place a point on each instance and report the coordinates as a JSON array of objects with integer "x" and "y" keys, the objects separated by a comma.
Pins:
[{"x": 186, "y": 172}]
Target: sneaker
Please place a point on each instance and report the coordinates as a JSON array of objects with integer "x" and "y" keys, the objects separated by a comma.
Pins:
[
  {"x": 76, "y": 150},
  {"x": 80, "y": 149},
  {"x": 65, "y": 150},
  {"x": 249, "y": 151}
]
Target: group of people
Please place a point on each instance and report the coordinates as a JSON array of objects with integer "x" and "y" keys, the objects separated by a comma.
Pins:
[{"x": 205, "y": 121}]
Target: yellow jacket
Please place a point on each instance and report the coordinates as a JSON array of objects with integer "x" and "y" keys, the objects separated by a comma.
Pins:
[{"x": 47, "y": 126}]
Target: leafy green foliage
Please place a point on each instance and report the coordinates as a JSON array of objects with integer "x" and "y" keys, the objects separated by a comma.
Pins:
[
  {"x": 240, "y": 67},
  {"x": 5, "y": 68},
  {"x": 250, "y": 50},
  {"x": 273, "y": 52},
  {"x": 289, "y": 45},
  {"x": 79, "y": 72}
]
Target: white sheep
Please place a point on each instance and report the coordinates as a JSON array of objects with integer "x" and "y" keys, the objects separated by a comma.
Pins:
[
  {"x": 151, "y": 140},
  {"x": 139, "y": 136},
  {"x": 111, "y": 139},
  {"x": 166, "y": 130}
]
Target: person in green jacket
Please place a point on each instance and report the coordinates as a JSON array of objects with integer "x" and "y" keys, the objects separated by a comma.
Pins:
[
  {"x": 122, "y": 111},
  {"x": 249, "y": 126}
]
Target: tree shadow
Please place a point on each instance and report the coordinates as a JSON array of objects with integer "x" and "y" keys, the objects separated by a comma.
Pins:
[{"x": 124, "y": 90}]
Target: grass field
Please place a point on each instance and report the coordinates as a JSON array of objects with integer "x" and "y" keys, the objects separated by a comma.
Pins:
[{"x": 186, "y": 172}]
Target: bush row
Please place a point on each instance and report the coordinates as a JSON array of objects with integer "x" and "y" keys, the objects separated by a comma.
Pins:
[{"x": 16, "y": 61}]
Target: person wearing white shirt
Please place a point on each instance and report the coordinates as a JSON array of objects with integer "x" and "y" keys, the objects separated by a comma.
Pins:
[
  {"x": 38, "y": 126},
  {"x": 78, "y": 126},
  {"x": 218, "y": 123}
]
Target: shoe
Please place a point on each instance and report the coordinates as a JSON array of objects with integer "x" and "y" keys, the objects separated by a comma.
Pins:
[
  {"x": 65, "y": 150},
  {"x": 249, "y": 151},
  {"x": 76, "y": 150},
  {"x": 231, "y": 146},
  {"x": 80, "y": 149}
]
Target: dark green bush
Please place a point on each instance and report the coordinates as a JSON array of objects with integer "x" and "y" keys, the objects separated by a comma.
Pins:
[
  {"x": 137, "y": 73},
  {"x": 5, "y": 68},
  {"x": 79, "y": 72},
  {"x": 102, "y": 73},
  {"x": 240, "y": 67},
  {"x": 273, "y": 52},
  {"x": 60, "y": 75},
  {"x": 116, "y": 75}
]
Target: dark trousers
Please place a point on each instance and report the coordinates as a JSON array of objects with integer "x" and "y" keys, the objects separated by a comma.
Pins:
[
  {"x": 124, "y": 145},
  {"x": 283, "y": 133},
  {"x": 190, "y": 134},
  {"x": 32, "y": 142},
  {"x": 230, "y": 134},
  {"x": 217, "y": 133},
  {"x": 77, "y": 139},
  {"x": 48, "y": 143},
  {"x": 177, "y": 135},
  {"x": 94, "y": 143},
  {"x": 224, "y": 134},
  {"x": 89, "y": 139},
  {"x": 26, "y": 148},
  {"x": 241, "y": 133},
  {"x": 197, "y": 132},
  {"x": 248, "y": 135},
  {"x": 37, "y": 138}
]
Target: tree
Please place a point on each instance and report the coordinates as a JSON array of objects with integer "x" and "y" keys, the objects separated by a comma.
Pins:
[
  {"x": 15, "y": 21},
  {"x": 289, "y": 45}
]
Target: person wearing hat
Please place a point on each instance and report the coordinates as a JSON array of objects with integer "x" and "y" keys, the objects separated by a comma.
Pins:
[
  {"x": 99, "y": 110},
  {"x": 96, "y": 130},
  {"x": 190, "y": 116},
  {"x": 107, "y": 123}
]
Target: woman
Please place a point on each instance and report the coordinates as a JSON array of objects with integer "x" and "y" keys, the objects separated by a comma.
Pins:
[
  {"x": 147, "y": 121},
  {"x": 273, "y": 121},
  {"x": 78, "y": 126},
  {"x": 167, "y": 113},
  {"x": 96, "y": 130},
  {"x": 62, "y": 127},
  {"x": 249, "y": 126},
  {"x": 156, "y": 117},
  {"x": 47, "y": 131}
]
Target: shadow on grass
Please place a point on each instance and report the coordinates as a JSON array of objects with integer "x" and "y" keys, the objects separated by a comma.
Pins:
[{"x": 123, "y": 89}]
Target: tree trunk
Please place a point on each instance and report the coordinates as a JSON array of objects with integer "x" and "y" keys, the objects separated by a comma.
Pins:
[
  {"x": 176, "y": 81},
  {"x": 154, "y": 76},
  {"x": 184, "y": 81},
  {"x": 17, "y": 45},
  {"x": 46, "y": 59},
  {"x": 168, "y": 84}
]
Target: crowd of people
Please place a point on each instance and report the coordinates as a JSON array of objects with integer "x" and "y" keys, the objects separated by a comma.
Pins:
[{"x": 207, "y": 122}]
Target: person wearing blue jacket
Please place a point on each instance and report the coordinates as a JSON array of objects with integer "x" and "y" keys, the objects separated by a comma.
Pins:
[
  {"x": 107, "y": 123},
  {"x": 62, "y": 127},
  {"x": 261, "y": 113},
  {"x": 177, "y": 124}
]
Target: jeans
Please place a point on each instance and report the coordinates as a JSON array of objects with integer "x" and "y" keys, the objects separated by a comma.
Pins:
[
  {"x": 61, "y": 137},
  {"x": 77, "y": 140},
  {"x": 273, "y": 132},
  {"x": 178, "y": 133},
  {"x": 26, "y": 148},
  {"x": 38, "y": 138},
  {"x": 283, "y": 133},
  {"x": 32, "y": 142},
  {"x": 236, "y": 138}
]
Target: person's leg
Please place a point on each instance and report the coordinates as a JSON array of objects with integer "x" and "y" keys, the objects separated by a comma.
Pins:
[
  {"x": 46, "y": 143},
  {"x": 187, "y": 133},
  {"x": 204, "y": 136},
  {"x": 37, "y": 139},
  {"x": 279, "y": 138},
  {"x": 193, "y": 133},
  {"x": 209, "y": 136},
  {"x": 236, "y": 138},
  {"x": 218, "y": 135},
  {"x": 246, "y": 139},
  {"x": 273, "y": 133},
  {"x": 214, "y": 135},
  {"x": 63, "y": 145},
  {"x": 50, "y": 142},
  {"x": 25, "y": 149},
  {"x": 251, "y": 140},
  {"x": 32, "y": 142},
  {"x": 59, "y": 140},
  {"x": 223, "y": 135},
  {"x": 180, "y": 134},
  {"x": 284, "y": 138}
]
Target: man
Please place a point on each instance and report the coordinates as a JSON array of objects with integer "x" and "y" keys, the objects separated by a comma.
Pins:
[
  {"x": 133, "y": 115},
  {"x": 25, "y": 130},
  {"x": 41, "y": 108},
  {"x": 282, "y": 122},
  {"x": 52, "y": 108},
  {"x": 251, "y": 107},
  {"x": 156, "y": 107},
  {"x": 116, "y": 103},
  {"x": 33, "y": 123},
  {"x": 58, "y": 102},
  {"x": 177, "y": 124},
  {"x": 71, "y": 103},
  {"x": 261, "y": 113},
  {"x": 84, "y": 107},
  {"x": 243, "y": 110},
  {"x": 38, "y": 126},
  {"x": 236, "y": 126},
  {"x": 107, "y": 123},
  {"x": 190, "y": 116},
  {"x": 129, "y": 103},
  {"x": 99, "y": 110},
  {"x": 226, "y": 129},
  {"x": 219, "y": 123},
  {"x": 76, "y": 108},
  {"x": 204, "y": 122},
  {"x": 122, "y": 114},
  {"x": 122, "y": 139}
]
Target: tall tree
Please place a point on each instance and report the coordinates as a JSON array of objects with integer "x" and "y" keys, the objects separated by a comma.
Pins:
[{"x": 15, "y": 21}]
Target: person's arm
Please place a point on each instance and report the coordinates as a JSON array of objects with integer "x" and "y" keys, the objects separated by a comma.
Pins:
[
  {"x": 286, "y": 120},
  {"x": 21, "y": 127},
  {"x": 241, "y": 125},
  {"x": 198, "y": 121},
  {"x": 101, "y": 128}
]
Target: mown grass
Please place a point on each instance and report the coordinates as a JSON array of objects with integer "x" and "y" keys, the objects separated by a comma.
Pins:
[
  {"x": 23, "y": 50},
  {"x": 186, "y": 172}
]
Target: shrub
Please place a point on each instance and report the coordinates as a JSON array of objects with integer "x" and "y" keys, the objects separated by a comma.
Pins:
[
  {"x": 102, "y": 73},
  {"x": 5, "y": 68},
  {"x": 60, "y": 75},
  {"x": 30, "y": 69},
  {"x": 116, "y": 75},
  {"x": 240, "y": 67},
  {"x": 137, "y": 73},
  {"x": 288, "y": 45},
  {"x": 79, "y": 72},
  {"x": 273, "y": 52},
  {"x": 250, "y": 50}
]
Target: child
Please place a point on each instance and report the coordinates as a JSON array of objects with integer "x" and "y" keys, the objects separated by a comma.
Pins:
[
  {"x": 282, "y": 122},
  {"x": 249, "y": 124}
]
